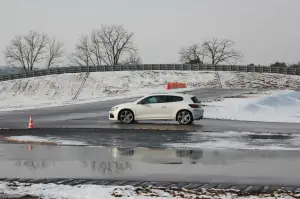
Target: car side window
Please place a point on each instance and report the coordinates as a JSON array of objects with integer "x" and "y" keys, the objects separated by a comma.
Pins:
[
  {"x": 151, "y": 100},
  {"x": 175, "y": 99},
  {"x": 154, "y": 99},
  {"x": 162, "y": 99}
]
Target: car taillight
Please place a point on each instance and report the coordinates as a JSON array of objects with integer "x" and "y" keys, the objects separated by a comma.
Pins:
[{"x": 194, "y": 105}]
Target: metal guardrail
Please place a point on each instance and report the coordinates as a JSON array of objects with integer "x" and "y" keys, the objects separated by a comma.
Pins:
[{"x": 178, "y": 67}]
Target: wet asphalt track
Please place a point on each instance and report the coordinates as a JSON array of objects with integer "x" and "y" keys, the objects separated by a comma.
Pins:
[{"x": 95, "y": 115}]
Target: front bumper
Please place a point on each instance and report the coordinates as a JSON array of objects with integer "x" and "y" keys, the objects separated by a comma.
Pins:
[{"x": 113, "y": 115}]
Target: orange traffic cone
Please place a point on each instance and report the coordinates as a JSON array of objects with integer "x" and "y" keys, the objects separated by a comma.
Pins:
[{"x": 30, "y": 125}]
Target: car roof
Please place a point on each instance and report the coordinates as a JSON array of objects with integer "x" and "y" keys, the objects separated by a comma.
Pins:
[{"x": 171, "y": 93}]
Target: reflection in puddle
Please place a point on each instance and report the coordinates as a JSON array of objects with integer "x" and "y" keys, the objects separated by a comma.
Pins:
[
  {"x": 119, "y": 160},
  {"x": 34, "y": 165},
  {"x": 107, "y": 166}
]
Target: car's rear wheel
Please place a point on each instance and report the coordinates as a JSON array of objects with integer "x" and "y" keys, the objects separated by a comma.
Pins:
[
  {"x": 126, "y": 116},
  {"x": 184, "y": 117}
]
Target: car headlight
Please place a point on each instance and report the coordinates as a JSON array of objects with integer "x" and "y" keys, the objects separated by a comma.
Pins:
[{"x": 114, "y": 108}]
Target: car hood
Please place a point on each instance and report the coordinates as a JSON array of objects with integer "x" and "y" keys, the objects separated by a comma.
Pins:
[{"x": 124, "y": 104}]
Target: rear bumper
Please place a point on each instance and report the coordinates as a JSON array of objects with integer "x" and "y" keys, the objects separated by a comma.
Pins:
[{"x": 198, "y": 114}]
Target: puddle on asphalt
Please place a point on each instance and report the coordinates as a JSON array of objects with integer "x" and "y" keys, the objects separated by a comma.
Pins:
[
  {"x": 39, "y": 161},
  {"x": 204, "y": 139}
]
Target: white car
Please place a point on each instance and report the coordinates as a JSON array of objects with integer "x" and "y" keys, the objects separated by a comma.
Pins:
[{"x": 183, "y": 108}]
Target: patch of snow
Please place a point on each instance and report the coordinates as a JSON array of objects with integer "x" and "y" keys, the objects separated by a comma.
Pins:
[
  {"x": 226, "y": 76},
  {"x": 262, "y": 81},
  {"x": 119, "y": 83},
  {"x": 279, "y": 106},
  {"x": 37, "y": 139},
  {"x": 48, "y": 191}
]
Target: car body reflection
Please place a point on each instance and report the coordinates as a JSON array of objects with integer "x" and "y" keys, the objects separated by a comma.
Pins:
[{"x": 162, "y": 156}]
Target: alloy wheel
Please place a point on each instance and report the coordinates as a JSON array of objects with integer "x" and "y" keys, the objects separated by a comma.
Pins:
[
  {"x": 126, "y": 116},
  {"x": 184, "y": 117}
]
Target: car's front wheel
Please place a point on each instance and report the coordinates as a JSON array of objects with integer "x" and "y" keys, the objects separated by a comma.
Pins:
[
  {"x": 126, "y": 116},
  {"x": 184, "y": 117}
]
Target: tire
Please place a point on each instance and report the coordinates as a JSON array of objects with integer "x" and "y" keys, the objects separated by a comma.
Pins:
[
  {"x": 184, "y": 117},
  {"x": 126, "y": 116}
]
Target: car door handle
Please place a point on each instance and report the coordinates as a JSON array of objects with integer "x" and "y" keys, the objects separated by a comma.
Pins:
[{"x": 163, "y": 107}]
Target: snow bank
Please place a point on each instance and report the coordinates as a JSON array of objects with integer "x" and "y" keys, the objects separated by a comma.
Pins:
[
  {"x": 127, "y": 82},
  {"x": 48, "y": 191},
  {"x": 240, "y": 140},
  {"x": 264, "y": 81},
  {"x": 280, "y": 106},
  {"x": 56, "y": 90}
]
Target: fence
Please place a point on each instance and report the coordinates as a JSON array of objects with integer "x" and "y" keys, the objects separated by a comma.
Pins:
[{"x": 185, "y": 67}]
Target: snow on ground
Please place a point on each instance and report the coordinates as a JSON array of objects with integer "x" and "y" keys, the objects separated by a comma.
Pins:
[
  {"x": 275, "y": 106},
  {"x": 264, "y": 81},
  {"x": 49, "y": 191},
  {"x": 44, "y": 140},
  {"x": 57, "y": 90},
  {"x": 240, "y": 140},
  {"x": 119, "y": 83}
]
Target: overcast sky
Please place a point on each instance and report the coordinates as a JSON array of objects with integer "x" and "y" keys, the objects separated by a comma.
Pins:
[{"x": 264, "y": 30}]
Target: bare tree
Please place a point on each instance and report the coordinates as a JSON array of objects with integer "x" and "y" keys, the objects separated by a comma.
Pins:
[
  {"x": 115, "y": 42},
  {"x": 192, "y": 54},
  {"x": 26, "y": 51},
  {"x": 55, "y": 52},
  {"x": 133, "y": 59},
  {"x": 221, "y": 51},
  {"x": 96, "y": 48},
  {"x": 82, "y": 55},
  {"x": 110, "y": 45}
]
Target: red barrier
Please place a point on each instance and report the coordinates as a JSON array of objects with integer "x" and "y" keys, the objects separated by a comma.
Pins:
[{"x": 174, "y": 85}]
